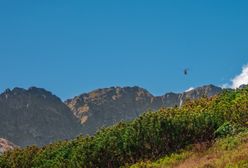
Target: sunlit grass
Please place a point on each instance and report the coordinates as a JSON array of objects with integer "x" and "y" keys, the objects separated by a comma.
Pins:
[{"x": 229, "y": 152}]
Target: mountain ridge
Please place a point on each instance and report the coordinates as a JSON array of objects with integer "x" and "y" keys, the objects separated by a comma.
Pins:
[
  {"x": 37, "y": 116},
  {"x": 107, "y": 106}
]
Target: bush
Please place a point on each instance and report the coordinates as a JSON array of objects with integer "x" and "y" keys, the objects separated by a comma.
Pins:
[{"x": 226, "y": 129}]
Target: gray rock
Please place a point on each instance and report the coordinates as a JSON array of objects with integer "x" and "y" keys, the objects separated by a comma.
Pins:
[
  {"x": 6, "y": 145},
  {"x": 242, "y": 86},
  {"x": 35, "y": 116}
]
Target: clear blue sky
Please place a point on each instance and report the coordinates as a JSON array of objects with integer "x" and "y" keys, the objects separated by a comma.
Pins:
[{"x": 71, "y": 47}]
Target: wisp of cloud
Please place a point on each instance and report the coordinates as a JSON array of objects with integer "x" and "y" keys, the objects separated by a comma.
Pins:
[
  {"x": 238, "y": 80},
  {"x": 241, "y": 78}
]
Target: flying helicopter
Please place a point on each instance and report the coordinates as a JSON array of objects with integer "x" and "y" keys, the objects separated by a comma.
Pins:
[{"x": 186, "y": 71}]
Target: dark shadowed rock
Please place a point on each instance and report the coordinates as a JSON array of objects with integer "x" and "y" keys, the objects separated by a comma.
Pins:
[
  {"x": 35, "y": 116},
  {"x": 243, "y": 86}
]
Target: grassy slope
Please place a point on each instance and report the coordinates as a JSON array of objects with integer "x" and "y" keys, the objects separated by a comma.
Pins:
[{"x": 229, "y": 152}]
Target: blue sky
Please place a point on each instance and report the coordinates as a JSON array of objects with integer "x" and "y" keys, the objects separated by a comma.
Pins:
[{"x": 71, "y": 47}]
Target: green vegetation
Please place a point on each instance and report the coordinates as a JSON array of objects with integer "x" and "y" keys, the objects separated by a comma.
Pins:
[
  {"x": 149, "y": 137},
  {"x": 168, "y": 161},
  {"x": 228, "y": 152}
]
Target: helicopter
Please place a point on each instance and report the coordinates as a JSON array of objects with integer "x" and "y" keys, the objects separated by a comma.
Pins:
[{"x": 186, "y": 71}]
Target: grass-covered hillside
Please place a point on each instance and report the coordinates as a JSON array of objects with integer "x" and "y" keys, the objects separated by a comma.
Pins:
[
  {"x": 152, "y": 136},
  {"x": 227, "y": 152}
]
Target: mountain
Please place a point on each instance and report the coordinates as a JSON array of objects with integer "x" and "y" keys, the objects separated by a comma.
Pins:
[
  {"x": 35, "y": 116},
  {"x": 6, "y": 145},
  {"x": 104, "y": 107},
  {"x": 204, "y": 133}
]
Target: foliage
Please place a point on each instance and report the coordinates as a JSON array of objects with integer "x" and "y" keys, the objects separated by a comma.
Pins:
[
  {"x": 229, "y": 152},
  {"x": 168, "y": 161},
  {"x": 152, "y": 135},
  {"x": 228, "y": 129}
]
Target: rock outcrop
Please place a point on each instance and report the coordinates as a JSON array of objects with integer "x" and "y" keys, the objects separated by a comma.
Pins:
[
  {"x": 6, "y": 145},
  {"x": 35, "y": 116}
]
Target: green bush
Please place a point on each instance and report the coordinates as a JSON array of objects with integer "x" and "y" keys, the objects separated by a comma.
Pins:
[{"x": 226, "y": 129}]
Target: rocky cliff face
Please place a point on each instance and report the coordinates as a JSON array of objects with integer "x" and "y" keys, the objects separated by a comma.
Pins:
[
  {"x": 204, "y": 91},
  {"x": 6, "y": 145},
  {"x": 35, "y": 116},
  {"x": 107, "y": 106},
  {"x": 104, "y": 107}
]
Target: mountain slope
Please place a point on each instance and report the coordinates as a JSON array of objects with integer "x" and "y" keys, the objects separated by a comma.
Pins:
[
  {"x": 35, "y": 116},
  {"x": 149, "y": 137},
  {"x": 105, "y": 107}
]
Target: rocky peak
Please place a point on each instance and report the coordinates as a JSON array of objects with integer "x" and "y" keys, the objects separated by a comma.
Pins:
[
  {"x": 35, "y": 116},
  {"x": 103, "y": 107},
  {"x": 23, "y": 92},
  {"x": 243, "y": 86},
  {"x": 6, "y": 145},
  {"x": 203, "y": 91}
]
